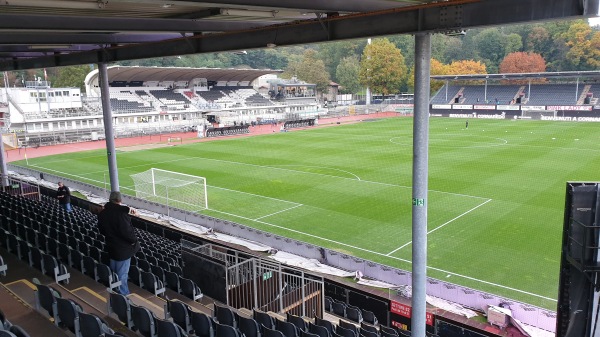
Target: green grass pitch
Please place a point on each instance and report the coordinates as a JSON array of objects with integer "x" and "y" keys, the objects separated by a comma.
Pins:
[{"x": 495, "y": 206}]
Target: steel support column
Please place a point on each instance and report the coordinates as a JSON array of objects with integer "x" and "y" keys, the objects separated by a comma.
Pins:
[
  {"x": 111, "y": 154},
  {"x": 419, "y": 189}
]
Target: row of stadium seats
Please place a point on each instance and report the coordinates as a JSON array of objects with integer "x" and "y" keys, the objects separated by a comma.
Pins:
[{"x": 7, "y": 329}]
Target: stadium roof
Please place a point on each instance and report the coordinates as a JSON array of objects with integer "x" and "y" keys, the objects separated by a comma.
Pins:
[
  {"x": 515, "y": 76},
  {"x": 50, "y": 33},
  {"x": 121, "y": 73}
]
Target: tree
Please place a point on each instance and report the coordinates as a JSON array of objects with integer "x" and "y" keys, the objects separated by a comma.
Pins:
[
  {"x": 466, "y": 67},
  {"x": 436, "y": 68},
  {"x": 73, "y": 76},
  {"x": 522, "y": 62},
  {"x": 382, "y": 67},
  {"x": 584, "y": 44},
  {"x": 332, "y": 54},
  {"x": 310, "y": 70},
  {"x": 347, "y": 75}
]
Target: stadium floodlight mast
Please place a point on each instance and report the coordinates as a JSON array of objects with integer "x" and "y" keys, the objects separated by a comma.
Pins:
[{"x": 173, "y": 189}]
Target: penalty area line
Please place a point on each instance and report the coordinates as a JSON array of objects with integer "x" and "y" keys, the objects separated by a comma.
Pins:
[
  {"x": 283, "y": 210},
  {"x": 393, "y": 257},
  {"x": 440, "y": 226}
]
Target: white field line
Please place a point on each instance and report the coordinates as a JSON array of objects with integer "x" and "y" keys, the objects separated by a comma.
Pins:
[
  {"x": 358, "y": 248},
  {"x": 255, "y": 195},
  {"x": 391, "y": 257},
  {"x": 283, "y": 210},
  {"x": 290, "y": 170},
  {"x": 440, "y": 226}
]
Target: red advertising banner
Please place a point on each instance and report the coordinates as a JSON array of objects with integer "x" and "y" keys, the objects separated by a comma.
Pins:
[{"x": 406, "y": 311}]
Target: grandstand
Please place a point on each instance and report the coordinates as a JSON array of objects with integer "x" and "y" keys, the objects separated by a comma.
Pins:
[
  {"x": 574, "y": 98},
  {"x": 147, "y": 101}
]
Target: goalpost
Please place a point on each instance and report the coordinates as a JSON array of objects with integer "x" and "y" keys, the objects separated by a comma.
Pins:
[{"x": 173, "y": 189}]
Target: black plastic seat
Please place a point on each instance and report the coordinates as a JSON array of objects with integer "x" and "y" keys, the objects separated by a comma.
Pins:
[
  {"x": 344, "y": 332},
  {"x": 308, "y": 334},
  {"x": 6, "y": 333},
  {"x": 338, "y": 308},
  {"x": 63, "y": 250},
  {"x": 270, "y": 332},
  {"x": 88, "y": 266},
  {"x": 180, "y": 313},
  {"x": 151, "y": 283},
  {"x": 223, "y": 330},
  {"x": 18, "y": 331},
  {"x": 369, "y": 317},
  {"x": 35, "y": 258},
  {"x": 248, "y": 327},
  {"x": 45, "y": 298},
  {"x": 106, "y": 276},
  {"x": 354, "y": 314},
  {"x": 143, "y": 264},
  {"x": 321, "y": 331},
  {"x": 67, "y": 312},
  {"x": 120, "y": 306},
  {"x": 143, "y": 319},
  {"x": 264, "y": 319},
  {"x": 51, "y": 267},
  {"x": 349, "y": 326},
  {"x": 135, "y": 275},
  {"x": 189, "y": 289},
  {"x": 386, "y": 331},
  {"x": 172, "y": 281},
  {"x": 368, "y": 327},
  {"x": 288, "y": 329},
  {"x": 166, "y": 328},
  {"x": 224, "y": 315},
  {"x": 326, "y": 324},
  {"x": 298, "y": 321},
  {"x": 202, "y": 324},
  {"x": 90, "y": 325},
  {"x": 367, "y": 333}
]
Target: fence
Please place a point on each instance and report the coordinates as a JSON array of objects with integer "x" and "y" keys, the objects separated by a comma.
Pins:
[{"x": 20, "y": 187}]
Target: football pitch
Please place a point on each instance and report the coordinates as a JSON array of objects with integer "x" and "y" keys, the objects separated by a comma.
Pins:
[{"x": 495, "y": 204}]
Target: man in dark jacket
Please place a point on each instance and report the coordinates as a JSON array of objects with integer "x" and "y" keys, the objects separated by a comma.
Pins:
[
  {"x": 114, "y": 222},
  {"x": 64, "y": 196}
]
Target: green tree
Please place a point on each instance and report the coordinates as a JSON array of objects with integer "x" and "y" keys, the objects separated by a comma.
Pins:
[
  {"x": 584, "y": 44},
  {"x": 347, "y": 75},
  {"x": 332, "y": 54},
  {"x": 73, "y": 76},
  {"x": 382, "y": 67},
  {"x": 310, "y": 70}
]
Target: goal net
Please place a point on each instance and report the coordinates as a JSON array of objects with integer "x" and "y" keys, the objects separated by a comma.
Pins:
[{"x": 172, "y": 189}]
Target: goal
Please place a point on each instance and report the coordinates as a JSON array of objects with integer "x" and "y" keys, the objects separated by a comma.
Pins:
[{"x": 173, "y": 189}]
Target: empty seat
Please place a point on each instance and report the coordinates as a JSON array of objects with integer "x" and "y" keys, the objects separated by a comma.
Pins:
[
  {"x": 6, "y": 333},
  {"x": 120, "y": 306},
  {"x": 88, "y": 266},
  {"x": 308, "y": 334},
  {"x": 321, "y": 331},
  {"x": 298, "y": 321},
  {"x": 135, "y": 275},
  {"x": 264, "y": 319},
  {"x": 189, "y": 289},
  {"x": 343, "y": 332},
  {"x": 368, "y": 333},
  {"x": 172, "y": 281},
  {"x": 349, "y": 326},
  {"x": 166, "y": 328},
  {"x": 338, "y": 308},
  {"x": 224, "y": 315},
  {"x": 326, "y": 324},
  {"x": 151, "y": 283},
  {"x": 180, "y": 313},
  {"x": 223, "y": 330},
  {"x": 248, "y": 327},
  {"x": 270, "y": 332},
  {"x": 368, "y": 327},
  {"x": 90, "y": 325},
  {"x": 67, "y": 312},
  {"x": 354, "y": 314},
  {"x": 288, "y": 329},
  {"x": 45, "y": 298},
  {"x": 369, "y": 317},
  {"x": 106, "y": 276},
  {"x": 143, "y": 319},
  {"x": 202, "y": 324},
  {"x": 386, "y": 331},
  {"x": 51, "y": 267},
  {"x": 18, "y": 331}
]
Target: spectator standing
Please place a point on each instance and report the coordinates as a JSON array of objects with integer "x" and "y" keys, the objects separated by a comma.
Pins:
[
  {"x": 64, "y": 197},
  {"x": 114, "y": 222}
]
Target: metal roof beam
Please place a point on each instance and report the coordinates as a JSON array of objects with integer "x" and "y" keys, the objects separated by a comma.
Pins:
[
  {"x": 104, "y": 24},
  {"x": 74, "y": 38},
  {"x": 405, "y": 21}
]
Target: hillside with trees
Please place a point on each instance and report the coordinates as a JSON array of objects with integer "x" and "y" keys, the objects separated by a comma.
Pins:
[{"x": 386, "y": 65}]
